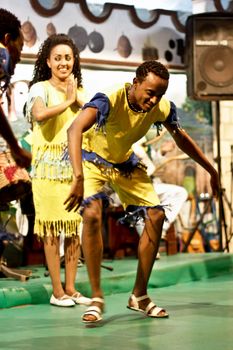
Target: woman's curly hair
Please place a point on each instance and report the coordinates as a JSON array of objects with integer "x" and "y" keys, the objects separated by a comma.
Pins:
[{"x": 41, "y": 70}]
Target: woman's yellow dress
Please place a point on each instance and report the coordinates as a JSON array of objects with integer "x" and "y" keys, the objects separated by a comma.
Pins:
[{"x": 51, "y": 174}]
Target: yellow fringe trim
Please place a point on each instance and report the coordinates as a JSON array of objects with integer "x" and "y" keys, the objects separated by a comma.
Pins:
[
  {"x": 49, "y": 163},
  {"x": 50, "y": 228}
]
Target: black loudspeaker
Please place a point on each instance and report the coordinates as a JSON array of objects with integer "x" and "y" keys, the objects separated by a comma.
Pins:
[{"x": 209, "y": 56}]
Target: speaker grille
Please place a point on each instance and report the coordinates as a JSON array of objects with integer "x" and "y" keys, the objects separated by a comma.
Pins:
[
  {"x": 209, "y": 56},
  {"x": 215, "y": 65}
]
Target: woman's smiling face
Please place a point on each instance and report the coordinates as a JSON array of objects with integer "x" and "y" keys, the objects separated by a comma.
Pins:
[{"x": 61, "y": 61}]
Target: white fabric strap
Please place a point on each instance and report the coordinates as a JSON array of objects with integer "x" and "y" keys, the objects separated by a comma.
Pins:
[
  {"x": 143, "y": 297},
  {"x": 98, "y": 300}
]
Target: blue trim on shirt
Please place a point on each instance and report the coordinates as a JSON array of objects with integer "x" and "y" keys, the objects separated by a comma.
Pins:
[
  {"x": 5, "y": 69},
  {"x": 101, "y": 102},
  {"x": 173, "y": 118}
]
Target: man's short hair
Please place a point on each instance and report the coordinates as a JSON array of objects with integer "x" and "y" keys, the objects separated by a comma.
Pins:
[
  {"x": 151, "y": 66},
  {"x": 9, "y": 23}
]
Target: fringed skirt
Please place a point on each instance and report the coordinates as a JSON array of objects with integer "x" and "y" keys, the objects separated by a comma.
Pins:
[{"x": 51, "y": 216}]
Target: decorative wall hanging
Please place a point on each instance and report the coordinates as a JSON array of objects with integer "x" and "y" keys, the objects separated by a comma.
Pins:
[{"x": 95, "y": 42}]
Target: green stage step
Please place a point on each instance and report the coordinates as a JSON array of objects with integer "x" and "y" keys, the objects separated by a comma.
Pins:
[{"x": 169, "y": 270}]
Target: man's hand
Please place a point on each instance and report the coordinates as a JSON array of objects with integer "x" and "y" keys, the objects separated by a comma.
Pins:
[
  {"x": 75, "y": 197},
  {"x": 22, "y": 157},
  {"x": 215, "y": 185}
]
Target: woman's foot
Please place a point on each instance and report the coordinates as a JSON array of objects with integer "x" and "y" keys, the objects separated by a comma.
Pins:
[
  {"x": 64, "y": 301},
  {"x": 80, "y": 299}
]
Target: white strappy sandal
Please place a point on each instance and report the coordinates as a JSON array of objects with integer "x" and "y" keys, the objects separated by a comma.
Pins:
[
  {"x": 94, "y": 311},
  {"x": 151, "y": 310}
]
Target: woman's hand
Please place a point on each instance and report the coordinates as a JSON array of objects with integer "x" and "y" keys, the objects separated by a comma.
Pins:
[
  {"x": 71, "y": 90},
  {"x": 75, "y": 196}
]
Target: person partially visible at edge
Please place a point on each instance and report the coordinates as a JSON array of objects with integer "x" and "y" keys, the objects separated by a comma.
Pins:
[
  {"x": 55, "y": 98},
  {"x": 113, "y": 124},
  {"x": 171, "y": 196},
  {"x": 11, "y": 44}
]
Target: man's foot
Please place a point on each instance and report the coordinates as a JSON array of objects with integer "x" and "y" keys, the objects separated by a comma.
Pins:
[
  {"x": 146, "y": 306},
  {"x": 94, "y": 312}
]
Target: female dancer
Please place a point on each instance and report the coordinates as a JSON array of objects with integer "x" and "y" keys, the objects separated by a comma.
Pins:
[{"x": 55, "y": 98}]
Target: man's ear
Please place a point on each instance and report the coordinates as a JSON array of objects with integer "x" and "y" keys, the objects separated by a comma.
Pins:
[
  {"x": 7, "y": 39},
  {"x": 135, "y": 81}
]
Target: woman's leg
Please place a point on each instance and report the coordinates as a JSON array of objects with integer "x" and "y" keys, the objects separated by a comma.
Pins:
[
  {"x": 72, "y": 252},
  {"x": 52, "y": 254}
]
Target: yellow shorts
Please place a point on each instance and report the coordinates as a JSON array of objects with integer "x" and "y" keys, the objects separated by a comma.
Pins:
[{"x": 135, "y": 190}]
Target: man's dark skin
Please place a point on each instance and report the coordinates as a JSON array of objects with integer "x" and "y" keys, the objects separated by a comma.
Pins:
[{"x": 20, "y": 155}]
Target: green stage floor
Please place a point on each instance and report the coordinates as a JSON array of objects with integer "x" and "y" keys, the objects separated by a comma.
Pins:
[{"x": 196, "y": 290}]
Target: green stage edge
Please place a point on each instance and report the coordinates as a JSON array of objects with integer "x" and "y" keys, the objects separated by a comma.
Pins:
[{"x": 169, "y": 270}]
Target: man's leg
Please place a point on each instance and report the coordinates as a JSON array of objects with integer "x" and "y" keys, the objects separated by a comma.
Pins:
[
  {"x": 92, "y": 245},
  {"x": 147, "y": 251}
]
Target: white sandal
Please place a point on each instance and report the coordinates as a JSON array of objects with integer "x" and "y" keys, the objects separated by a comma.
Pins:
[
  {"x": 63, "y": 301},
  {"x": 80, "y": 299},
  {"x": 94, "y": 311},
  {"x": 151, "y": 310}
]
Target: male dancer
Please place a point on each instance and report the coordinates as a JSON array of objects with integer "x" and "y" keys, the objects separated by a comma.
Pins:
[{"x": 109, "y": 126}]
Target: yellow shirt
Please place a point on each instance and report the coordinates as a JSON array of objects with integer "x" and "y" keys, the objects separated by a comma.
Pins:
[
  {"x": 123, "y": 127},
  {"x": 49, "y": 138}
]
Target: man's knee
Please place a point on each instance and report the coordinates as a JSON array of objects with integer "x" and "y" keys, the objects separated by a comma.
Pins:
[
  {"x": 92, "y": 214},
  {"x": 156, "y": 215}
]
